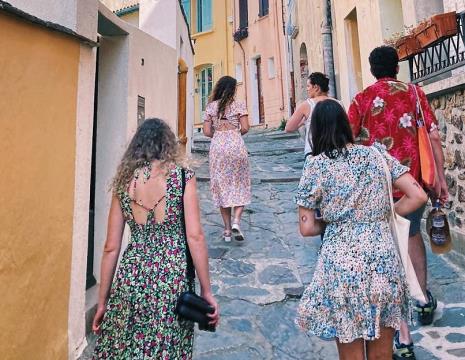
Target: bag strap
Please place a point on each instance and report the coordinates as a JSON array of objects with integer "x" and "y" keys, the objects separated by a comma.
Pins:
[
  {"x": 190, "y": 269},
  {"x": 419, "y": 109},
  {"x": 388, "y": 177}
]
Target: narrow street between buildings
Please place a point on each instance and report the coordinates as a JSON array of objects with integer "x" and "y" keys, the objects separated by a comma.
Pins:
[{"x": 258, "y": 285}]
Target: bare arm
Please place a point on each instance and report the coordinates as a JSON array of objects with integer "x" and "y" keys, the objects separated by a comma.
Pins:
[
  {"x": 442, "y": 191},
  {"x": 197, "y": 244},
  {"x": 109, "y": 258},
  {"x": 207, "y": 127},
  {"x": 414, "y": 195},
  {"x": 298, "y": 118},
  {"x": 245, "y": 126},
  {"x": 308, "y": 225}
]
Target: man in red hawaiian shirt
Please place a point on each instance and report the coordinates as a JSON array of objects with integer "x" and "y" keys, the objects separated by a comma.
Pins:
[{"x": 386, "y": 112}]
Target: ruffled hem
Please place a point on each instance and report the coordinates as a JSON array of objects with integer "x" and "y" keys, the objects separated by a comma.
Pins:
[{"x": 361, "y": 321}]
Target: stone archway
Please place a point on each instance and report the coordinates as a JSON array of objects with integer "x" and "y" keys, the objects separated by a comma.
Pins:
[
  {"x": 182, "y": 92},
  {"x": 303, "y": 71}
]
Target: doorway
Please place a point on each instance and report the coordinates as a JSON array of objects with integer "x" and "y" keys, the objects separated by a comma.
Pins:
[
  {"x": 261, "y": 106},
  {"x": 182, "y": 85}
]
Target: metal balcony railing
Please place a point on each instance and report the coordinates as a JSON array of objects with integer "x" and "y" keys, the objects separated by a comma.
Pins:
[{"x": 440, "y": 57}]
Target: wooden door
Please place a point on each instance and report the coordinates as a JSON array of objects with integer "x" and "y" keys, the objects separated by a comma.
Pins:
[
  {"x": 182, "y": 84},
  {"x": 261, "y": 106}
]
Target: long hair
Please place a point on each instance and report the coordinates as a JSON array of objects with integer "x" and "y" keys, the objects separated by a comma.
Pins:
[
  {"x": 330, "y": 129},
  {"x": 153, "y": 140},
  {"x": 224, "y": 91}
]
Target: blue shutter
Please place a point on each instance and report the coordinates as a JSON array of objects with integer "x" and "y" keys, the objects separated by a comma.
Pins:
[{"x": 206, "y": 15}]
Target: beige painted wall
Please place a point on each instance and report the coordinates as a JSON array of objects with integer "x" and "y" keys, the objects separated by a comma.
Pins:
[
  {"x": 265, "y": 40},
  {"x": 308, "y": 17},
  {"x": 38, "y": 95}
]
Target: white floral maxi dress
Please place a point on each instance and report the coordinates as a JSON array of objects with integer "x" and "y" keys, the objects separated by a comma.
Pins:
[
  {"x": 358, "y": 285},
  {"x": 229, "y": 164}
]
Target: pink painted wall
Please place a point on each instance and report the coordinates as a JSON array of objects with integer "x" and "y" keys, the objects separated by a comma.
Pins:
[{"x": 265, "y": 40}]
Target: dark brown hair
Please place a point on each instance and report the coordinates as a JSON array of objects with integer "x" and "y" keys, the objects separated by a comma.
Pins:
[{"x": 224, "y": 92}]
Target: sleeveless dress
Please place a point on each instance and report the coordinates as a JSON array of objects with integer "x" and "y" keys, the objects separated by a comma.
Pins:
[
  {"x": 140, "y": 322},
  {"x": 359, "y": 284},
  {"x": 230, "y": 183}
]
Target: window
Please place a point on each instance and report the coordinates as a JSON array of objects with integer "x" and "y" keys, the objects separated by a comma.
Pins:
[
  {"x": 239, "y": 73},
  {"x": 186, "y": 5},
  {"x": 206, "y": 86},
  {"x": 271, "y": 68},
  {"x": 243, "y": 14},
  {"x": 204, "y": 15},
  {"x": 263, "y": 7}
]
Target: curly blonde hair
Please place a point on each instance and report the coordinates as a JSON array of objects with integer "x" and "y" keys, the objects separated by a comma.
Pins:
[{"x": 153, "y": 140}]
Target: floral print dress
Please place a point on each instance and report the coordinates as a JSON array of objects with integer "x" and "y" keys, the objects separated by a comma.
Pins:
[
  {"x": 358, "y": 285},
  {"x": 230, "y": 183},
  {"x": 140, "y": 322}
]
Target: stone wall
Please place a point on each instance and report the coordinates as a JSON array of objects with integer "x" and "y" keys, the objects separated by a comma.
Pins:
[{"x": 450, "y": 112}]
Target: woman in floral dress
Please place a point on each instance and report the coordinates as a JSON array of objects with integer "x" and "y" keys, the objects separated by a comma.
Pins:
[
  {"x": 135, "y": 318},
  {"x": 225, "y": 120},
  {"x": 358, "y": 295}
]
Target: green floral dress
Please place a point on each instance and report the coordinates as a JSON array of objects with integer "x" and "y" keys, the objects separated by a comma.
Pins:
[{"x": 140, "y": 322}]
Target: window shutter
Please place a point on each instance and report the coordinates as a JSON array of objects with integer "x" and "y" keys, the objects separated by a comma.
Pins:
[
  {"x": 243, "y": 14},
  {"x": 206, "y": 15}
]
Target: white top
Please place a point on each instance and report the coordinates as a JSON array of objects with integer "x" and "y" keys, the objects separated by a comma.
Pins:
[{"x": 308, "y": 144}]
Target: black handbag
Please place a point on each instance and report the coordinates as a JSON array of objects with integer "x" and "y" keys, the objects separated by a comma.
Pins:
[{"x": 191, "y": 306}]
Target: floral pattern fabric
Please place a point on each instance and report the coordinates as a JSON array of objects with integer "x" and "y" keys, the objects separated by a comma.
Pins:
[
  {"x": 230, "y": 183},
  {"x": 358, "y": 285},
  {"x": 386, "y": 112},
  {"x": 139, "y": 322}
]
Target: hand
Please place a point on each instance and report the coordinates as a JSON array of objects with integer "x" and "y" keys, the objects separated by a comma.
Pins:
[
  {"x": 444, "y": 191},
  {"x": 98, "y": 319},
  {"x": 216, "y": 315}
]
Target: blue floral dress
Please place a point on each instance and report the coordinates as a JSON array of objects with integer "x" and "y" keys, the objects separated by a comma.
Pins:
[
  {"x": 358, "y": 285},
  {"x": 139, "y": 321}
]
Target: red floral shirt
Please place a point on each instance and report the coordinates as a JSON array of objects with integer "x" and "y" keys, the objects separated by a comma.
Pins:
[{"x": 386, "y": 112}]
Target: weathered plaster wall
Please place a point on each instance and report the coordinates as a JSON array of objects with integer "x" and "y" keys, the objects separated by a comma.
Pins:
[
  {"x": 266, "y": 41},
  {"x": 38, "y": 94}
]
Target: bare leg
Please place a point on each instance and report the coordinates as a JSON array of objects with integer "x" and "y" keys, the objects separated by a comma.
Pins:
[
  {"x": 417, "y": 253},
  {"x": 381, "y": 349},
  {"x": 226, "y": 215},
  {"x": 238, "y": 214},
  {"x": 351, "y": 351}
]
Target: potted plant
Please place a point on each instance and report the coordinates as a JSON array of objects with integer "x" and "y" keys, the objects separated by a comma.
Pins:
[
  {"x": 436, "y": 28},
  {"x": 405, "y": 43}
]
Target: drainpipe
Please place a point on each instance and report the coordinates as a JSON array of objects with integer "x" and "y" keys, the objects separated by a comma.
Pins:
[
  {"x": 279, "y": 53},
  {"x": 327, "y": 38}
]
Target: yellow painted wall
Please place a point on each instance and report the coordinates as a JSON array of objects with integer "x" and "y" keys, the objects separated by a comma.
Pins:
[
  {"x": 38, "y": 87},
  {"x": 213, "y": 47}
]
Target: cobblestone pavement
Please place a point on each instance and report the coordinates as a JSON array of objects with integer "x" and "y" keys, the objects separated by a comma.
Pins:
[{"x": 258, "y": 284}]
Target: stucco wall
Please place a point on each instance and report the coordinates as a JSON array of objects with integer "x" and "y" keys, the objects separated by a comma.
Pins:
[
  {"x": 157, "y": 18},
  {"x": 77, "y": 15},
  {"x": 185, "y": 53},
  {"x": 265, "y": 40},
  {"x": 38, "y": 122},
  {"x": 309, "y": 18},
  {"x": 214, "y": 47}
]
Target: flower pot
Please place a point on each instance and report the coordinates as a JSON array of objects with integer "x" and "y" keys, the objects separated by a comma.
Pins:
[
  {"x": 407, "y": 46},
  {"x": 436, "y": 28}
]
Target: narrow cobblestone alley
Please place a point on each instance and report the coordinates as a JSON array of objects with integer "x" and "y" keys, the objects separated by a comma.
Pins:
[{"x": 258, "y": 285}]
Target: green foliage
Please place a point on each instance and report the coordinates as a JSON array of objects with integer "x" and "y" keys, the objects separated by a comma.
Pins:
[{"x": 282, "y": 126}]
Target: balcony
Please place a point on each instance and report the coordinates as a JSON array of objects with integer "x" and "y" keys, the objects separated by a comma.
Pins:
[
  {"x": 440, "y": 57},
  {"x": 241, "y": 34}
]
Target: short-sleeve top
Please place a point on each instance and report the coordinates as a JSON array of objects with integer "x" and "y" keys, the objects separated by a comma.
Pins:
[
  {"x": 232, "y": 114},
  {"x": 386, "y": 112},
  {"x": 349, "y": 188}
]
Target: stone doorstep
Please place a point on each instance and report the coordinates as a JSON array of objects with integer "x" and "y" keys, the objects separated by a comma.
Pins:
[{"x": 457, "y": 254}]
